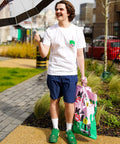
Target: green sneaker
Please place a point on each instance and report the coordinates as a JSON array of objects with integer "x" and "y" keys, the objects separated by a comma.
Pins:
[
  {"x": 54, "y": 135},
  {"x": 70, "y": 137}
]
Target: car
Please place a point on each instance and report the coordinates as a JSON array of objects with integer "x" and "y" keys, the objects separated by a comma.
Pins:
[
  {"x": 97, "y": 50},
  {"x": 103, "y": 37}
]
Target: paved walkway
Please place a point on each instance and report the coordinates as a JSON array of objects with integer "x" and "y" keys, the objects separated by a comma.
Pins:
[
  {"x": 17, "y": 103},
  {"x": 32, "y": 135},
  {"x": 4, "y": 58},
  {"x": 17, "y": 62}
]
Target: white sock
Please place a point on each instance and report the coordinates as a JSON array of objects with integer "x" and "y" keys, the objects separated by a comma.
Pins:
[
  {"x": 55, "y": 123},
  {"x": 68, "y": 126}
]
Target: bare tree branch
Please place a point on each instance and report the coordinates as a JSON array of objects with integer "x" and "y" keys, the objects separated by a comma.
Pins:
[
  {"x": 101, "y": 3},
  {"x": 103, "y": 13}
]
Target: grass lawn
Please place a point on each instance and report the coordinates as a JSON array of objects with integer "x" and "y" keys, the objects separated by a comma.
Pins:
[{"x": 12, "y": 76}]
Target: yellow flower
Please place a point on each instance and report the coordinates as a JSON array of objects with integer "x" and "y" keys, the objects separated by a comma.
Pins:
[
  {"x": 85, "y": 121},
  {"x": 87, "y": 104}
]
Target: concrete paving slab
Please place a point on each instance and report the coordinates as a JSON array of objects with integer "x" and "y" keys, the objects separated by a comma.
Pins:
[
  {"x": 20, "y": 63},
  {"x": 31, "y": 135},
  {"x": 4, "y": 58}
]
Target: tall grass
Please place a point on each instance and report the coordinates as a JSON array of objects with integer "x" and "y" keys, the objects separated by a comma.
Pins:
[
  {"x": 114, "y": 89},
  {"x": 111, "y": 67},
  {"x": 19, "y": 50},
  {"x": 94, "y": 82},
  {"x": 91, "y": 65},
  {"x": 99, "y": 114},
  {"x": 42, "y": 106}
]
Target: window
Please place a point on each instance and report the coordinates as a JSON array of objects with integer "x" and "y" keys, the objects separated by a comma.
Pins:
[
  {"x": 99, "y": 44},
  {"x": 115, "y": 44},
  {"x": 96, "y": 43}
]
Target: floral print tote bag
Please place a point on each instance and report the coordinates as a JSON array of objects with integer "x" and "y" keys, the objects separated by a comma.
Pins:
[{"x": 85, "y": 111}]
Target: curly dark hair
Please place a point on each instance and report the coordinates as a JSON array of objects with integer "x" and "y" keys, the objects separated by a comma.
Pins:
[{"x": 70, "y": 9}]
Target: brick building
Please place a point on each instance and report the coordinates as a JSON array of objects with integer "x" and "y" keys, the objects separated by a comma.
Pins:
[
  {"x": 86, "y": 13},
  {"x": 113, "y": 18}
]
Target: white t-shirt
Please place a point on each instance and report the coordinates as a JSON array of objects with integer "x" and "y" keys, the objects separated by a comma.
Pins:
[{"x": 63, "y": 43}]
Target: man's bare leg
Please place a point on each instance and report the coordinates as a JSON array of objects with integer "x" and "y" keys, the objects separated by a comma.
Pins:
[
  {"x": 54, "y": 112},
  {"x": 69, "y": 113}
]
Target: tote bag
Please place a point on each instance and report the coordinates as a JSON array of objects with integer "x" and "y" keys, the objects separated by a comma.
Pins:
[{"x": 85, "y": 111}]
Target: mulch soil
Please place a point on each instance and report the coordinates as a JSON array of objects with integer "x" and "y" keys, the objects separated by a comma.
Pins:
[{"x": 45, "y": 122}]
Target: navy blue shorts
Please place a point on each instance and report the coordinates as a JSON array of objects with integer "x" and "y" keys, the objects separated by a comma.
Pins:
[{"x": 62, "y": 86}]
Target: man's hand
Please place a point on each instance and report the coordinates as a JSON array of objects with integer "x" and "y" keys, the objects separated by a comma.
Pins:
[
  {"x": 84, "y": 81},
  {"x": 37, "y": 37}
]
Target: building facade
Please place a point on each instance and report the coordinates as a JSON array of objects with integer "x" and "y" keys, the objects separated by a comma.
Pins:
[
  {"x": 113, "y": 18},
  {"x": 4, "y": 31},
  {"x": 86, "y": 13}
]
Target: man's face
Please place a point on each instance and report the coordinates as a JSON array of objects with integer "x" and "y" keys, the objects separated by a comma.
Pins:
[{"x": 61, "y": 12}]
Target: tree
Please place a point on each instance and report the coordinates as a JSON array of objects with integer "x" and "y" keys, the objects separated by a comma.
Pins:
[
  {"x": 106, "y": 4},
  {"x": 106, "y": 34}
]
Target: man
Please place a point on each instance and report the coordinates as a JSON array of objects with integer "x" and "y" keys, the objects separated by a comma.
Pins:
[{"x": 66, "y": 42}]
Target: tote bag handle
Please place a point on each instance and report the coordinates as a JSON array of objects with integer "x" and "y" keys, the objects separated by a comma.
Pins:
[{"x": 87, "y": 100}]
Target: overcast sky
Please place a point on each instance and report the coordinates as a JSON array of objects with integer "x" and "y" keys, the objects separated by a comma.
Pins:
[{"x": 76, "y": 4}]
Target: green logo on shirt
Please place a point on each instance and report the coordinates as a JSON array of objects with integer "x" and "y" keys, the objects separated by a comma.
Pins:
[{"x": 72, "y": 43}]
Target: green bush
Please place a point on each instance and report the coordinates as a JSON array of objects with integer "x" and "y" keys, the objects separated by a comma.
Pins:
[
  {"x": 110, "y": 119},
  {"x": 107, "y": 103}
]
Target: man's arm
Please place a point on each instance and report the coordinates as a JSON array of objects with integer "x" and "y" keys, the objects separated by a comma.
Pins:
[
  {"x": 43, "y": 49},
  {"x": 80, "y": 61},
  {"x": 81, "y": 64}
]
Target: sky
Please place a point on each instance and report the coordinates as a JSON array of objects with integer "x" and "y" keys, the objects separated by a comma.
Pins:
[{"x": 76, "y": 4}]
